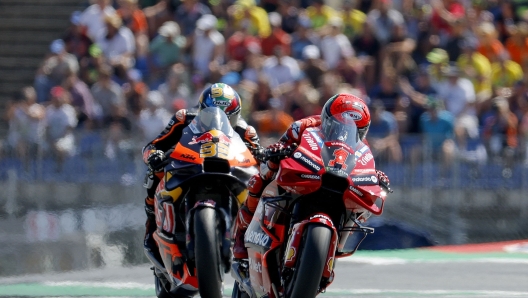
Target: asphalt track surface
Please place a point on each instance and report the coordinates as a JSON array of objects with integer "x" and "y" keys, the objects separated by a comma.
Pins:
[{"x": 407, "y": 273}]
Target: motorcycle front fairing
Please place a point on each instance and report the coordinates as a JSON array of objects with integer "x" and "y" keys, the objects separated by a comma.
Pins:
[
  {"x": 209, "y": 164},
  {"x": 322, "y": 176}
]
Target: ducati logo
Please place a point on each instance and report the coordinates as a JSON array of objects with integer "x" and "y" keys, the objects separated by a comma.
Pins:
[{"x": 341, "y": 156}]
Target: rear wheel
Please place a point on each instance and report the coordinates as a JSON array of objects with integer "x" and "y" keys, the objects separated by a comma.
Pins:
[
  {"x": 207, "y": 252},
  {"x": 310, "y": 265}
]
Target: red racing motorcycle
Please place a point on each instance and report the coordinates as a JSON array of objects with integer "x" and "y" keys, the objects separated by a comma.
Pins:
[{"x": 323, "y": 192}]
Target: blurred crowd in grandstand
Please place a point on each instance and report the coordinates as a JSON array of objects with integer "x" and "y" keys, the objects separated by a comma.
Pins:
[{"x": 446, "y": 78}]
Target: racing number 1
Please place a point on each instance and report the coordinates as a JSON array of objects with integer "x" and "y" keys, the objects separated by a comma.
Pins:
[{"x": 211, "y": 149}]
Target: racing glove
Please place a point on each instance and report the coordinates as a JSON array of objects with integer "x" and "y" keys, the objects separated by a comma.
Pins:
[
  {"x": 278, "y": 151},
  {"x": 155, "y": 160}
]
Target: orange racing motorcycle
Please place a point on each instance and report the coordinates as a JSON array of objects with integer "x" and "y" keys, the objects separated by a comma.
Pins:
[
  {"x": 323, "y": 191},
  {"x": 204, "y": 183}
]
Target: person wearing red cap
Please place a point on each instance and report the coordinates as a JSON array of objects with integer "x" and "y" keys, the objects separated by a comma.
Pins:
[{"x": 337, "y": 104}]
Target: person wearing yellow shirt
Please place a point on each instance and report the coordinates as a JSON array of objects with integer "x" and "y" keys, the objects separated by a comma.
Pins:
[
  {"x": 476, "y": 66},
  {"x": 247, "y": 11},
  {"x": 319, "y": 13},
  {"x": 353, "y": 19},
  {"x": 439, "y": 59},
  {"x": 505, "y": 72}
]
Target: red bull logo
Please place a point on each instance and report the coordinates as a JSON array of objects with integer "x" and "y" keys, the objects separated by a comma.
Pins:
[
  {"x": 211, "y": 136},
  {"x": 204, "y": 138}
]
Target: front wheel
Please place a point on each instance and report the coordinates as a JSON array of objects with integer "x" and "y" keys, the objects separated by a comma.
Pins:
[
  {"x": 207, "y": 253},
  {"x": 238, "y": 293},
  {"x": 160, "y": 289},
  {"x": 310, "y": 265}
]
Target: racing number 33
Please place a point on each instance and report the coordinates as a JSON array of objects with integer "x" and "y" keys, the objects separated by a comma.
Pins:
[{"x": 211, "y": 149}]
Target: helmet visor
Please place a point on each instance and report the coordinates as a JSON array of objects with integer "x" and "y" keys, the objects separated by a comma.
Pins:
[{"x": 341, "y": 130}]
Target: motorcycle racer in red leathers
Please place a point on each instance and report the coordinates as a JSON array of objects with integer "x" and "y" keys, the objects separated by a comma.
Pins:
[
  {"x": 354, "y": 106},
  {"x": 217, "y": 95}
]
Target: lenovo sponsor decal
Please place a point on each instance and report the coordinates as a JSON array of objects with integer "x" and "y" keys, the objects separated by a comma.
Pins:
[{"x": 256, "y": 238}]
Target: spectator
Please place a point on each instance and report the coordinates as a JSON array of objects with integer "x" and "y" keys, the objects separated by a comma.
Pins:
[
  {"x": 366, "y": 43},
  {"x": 26, "y": 125},
  {"x": 277, "y": 38},
  {"x": 302, "y": 37},
  {"x": 174, "y": 89},
  {"x": 208, "y": 45},
  {"x": 517, "y": 43},
  {"x": 457, "y": 93},
  {"x": 76, "y": 40},
  {"x": 290, "y": 15},
  {"x": 93, "y": 18},
  {"x": 167, "y": 48},
  {"x": 418, "y": 94},
  {"x": 245, "y": 13},
  {"x": 118, "y": 43},
  {"x": 107, "y": 93},
  {"x": 383, "y": 19},
  {"x": 154, "y": 117},
  {"x": 505, "y": 72},
  {"x": 133, "y": 17},
  {"x": 81, "y": 98},
  {"x": 118, "y": 142},
  {"x": 386, "y": 91},
  {"x": 353, "y": 19},
  {"x": 61, "y": 119},
  {"x": 260, "y": 101},
  {"x": 437, "y": 126},
  {"x": 158, "y": 14},
  {"x": 54, "y": 69},
  {"x": 439, "y": 59},
  {"x": 335, "y": 46},
  {"x": 281, "y": 69},
  {"x": 445, "y": 14},
  {"x": 456, "y": 38},
  {"x": 272, "y": 122},
  {"x": 188, "y": 14},
  {"x": 135, "y": 91},
  {"x": 490, "y": 46},
  {"x": 314, "y": 67},
  {"x": 253, "y": 67},
  {"x": 241, "y": 44},
  {"x": 383, "y": 134},
  {"x": 476, "y": 67},
  {"x": 500, "y": 131},
  {"x": 319, "y": 13}
]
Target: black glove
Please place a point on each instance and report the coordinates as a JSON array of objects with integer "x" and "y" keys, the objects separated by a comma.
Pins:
[
  {"x": 278, "y": 151},
  {"x": 155, "y": 160}
]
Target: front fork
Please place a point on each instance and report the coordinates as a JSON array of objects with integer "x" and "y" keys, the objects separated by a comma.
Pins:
[
  {"x": 225, "y": 218},
  {"x": 294, "y": 244}
]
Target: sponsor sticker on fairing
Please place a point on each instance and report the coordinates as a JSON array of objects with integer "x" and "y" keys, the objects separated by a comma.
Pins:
[
  {"x": 365, "y": 159},
  {"x": 365, "y": 180},
  {"x": 356, "y": 191},
  {"x": 309, "y": 176},
  {"x": 256, "y": 238},
  {"x": 306, "y": 161},
  {"x": 310, "y": 141}
]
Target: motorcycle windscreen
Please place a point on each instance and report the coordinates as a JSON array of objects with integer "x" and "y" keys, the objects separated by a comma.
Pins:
[
  {"x": 212, "y": 118},
  {"x": 341, "y": 138}
]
